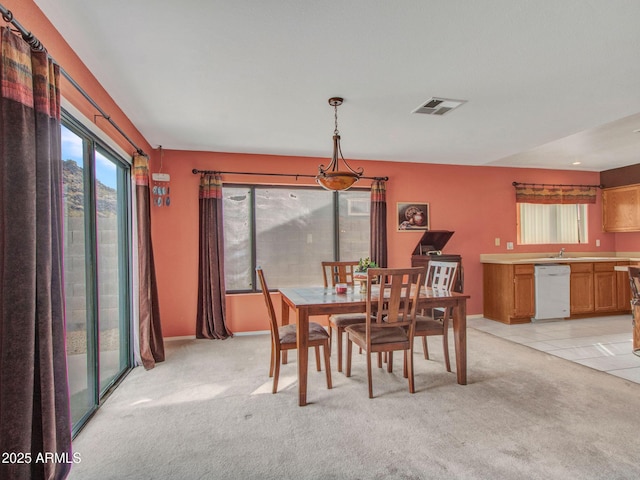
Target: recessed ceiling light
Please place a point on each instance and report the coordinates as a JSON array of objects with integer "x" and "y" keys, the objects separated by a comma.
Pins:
[{"x": 576, "y": 163}]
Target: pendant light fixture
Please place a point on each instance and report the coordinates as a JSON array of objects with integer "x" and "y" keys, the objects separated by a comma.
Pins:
[{"x": 331, "y": 177}]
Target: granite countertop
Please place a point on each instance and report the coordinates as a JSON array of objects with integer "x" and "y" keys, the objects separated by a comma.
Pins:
[{"x": 568, "y": 257}]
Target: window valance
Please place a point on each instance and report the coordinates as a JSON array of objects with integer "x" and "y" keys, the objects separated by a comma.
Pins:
[{"x": 555, "y": 194}]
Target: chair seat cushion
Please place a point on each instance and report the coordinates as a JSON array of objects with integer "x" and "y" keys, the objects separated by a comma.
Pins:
[
  {"x": 378, "y": 334},
  {"x": 288, "y": 333},
  {"x": 427, "y": 324},
  {"x": 346, "y": 319}
]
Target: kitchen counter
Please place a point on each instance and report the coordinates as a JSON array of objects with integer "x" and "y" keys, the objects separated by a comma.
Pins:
[
  {"x": 529, "y": 258},
  {"x": 596, "y": 287}
]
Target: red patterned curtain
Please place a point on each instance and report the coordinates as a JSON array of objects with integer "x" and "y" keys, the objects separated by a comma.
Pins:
[
  {"x": 211, "y": 314},
  {"x": 34, "y": 392},
  {"x": 151, "y": 343},
  {"x": 555, "y": 194},
  {"x": 378, "y": 245}
]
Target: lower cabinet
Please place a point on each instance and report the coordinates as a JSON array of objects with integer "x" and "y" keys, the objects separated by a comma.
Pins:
[
  {"x": 524, "y": 291},
  {"x": 605, "y": 287},
  {"x": 508, "y": 292},
  {"x": 582, "y": 298},
  {"x": 596, "y": 289},
  {"x": 623, "y": 288}
]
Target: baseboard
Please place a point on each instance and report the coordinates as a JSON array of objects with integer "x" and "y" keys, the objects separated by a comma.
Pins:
[
  {"x": 186, "y": 337},
  {"x": 238, "y": 334}
]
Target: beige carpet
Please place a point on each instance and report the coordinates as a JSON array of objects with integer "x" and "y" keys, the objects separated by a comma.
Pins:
[{"x": 207, "y": 413}]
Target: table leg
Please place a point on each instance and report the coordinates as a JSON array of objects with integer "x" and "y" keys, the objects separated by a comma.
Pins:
[
  {"x": 285, "y": 321},
  {"x": 460, "y": 338},
  {"x": 302, "y": 331}
]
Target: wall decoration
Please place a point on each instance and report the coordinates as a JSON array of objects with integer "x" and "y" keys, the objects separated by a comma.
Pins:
[
  {"x": 160, "y": 189},
  {"x": 412, "y": 216}
]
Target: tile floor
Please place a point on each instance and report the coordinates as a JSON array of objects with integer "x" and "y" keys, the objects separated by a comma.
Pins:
[{"x": 602, "y": 343}]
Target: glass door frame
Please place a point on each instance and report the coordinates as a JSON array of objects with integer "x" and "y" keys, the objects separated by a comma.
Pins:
[{"x": 90, "y": 145}]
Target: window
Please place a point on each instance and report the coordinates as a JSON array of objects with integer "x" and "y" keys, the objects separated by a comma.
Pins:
[
  {"x": 552, "y": 223},
  {"x": 96, "y": 197},
  {"x": 289, "y": 231}
]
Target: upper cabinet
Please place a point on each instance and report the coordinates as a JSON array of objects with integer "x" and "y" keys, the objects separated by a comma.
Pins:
[{"x": 621, "y": 209}]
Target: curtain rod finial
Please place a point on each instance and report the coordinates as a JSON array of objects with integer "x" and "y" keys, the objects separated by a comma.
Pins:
[{"x": 7, "y": 16}]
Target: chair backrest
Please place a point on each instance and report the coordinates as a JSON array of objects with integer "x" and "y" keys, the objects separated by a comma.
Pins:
[
  {"x": 634, "y": 280},
  {"x": 442, "y": 275},
  {"x": 392, "y": 296},
  {"x": 338, "y": 272},
  {"x": 273, "y": 320}
]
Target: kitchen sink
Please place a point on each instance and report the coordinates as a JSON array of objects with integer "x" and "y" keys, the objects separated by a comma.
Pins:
[{"x": 600, "y": 259}]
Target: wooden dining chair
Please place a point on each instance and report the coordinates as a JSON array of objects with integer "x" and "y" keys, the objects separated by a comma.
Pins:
[
  {"x": 284, "y": 338},
  {"x": 440, "y": 276},
  {"x": 338, "y": 272},
  {"x": 634, "y": 281},
  {"x": 334, "y": 273},
  {"x": 390, "y": 318}
]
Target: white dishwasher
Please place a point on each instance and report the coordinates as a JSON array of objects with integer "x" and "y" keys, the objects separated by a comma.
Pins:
[{"x": 552, "y": 291}]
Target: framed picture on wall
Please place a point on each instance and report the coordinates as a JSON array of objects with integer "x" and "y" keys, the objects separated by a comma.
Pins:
[{"x": 412, "y": 216}]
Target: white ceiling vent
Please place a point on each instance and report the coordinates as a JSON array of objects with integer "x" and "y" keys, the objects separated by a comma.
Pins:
[{"x": 438, "y": 106}]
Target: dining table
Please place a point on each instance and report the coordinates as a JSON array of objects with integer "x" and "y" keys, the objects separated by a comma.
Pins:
[{"x": 312, "y": 301}]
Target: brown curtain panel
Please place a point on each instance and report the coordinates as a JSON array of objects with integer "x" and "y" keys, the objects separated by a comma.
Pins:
[
  {"x": 151, "y": 344},
  {"x": 555, "y": 194},
  {"x": 34, "y": 393},
  {"x": 211, "y": 314},
  {"x": 378, "y": 244}
]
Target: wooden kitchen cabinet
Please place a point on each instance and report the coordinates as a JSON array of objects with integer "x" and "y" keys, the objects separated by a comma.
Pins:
[
  {"x": 524, "y": 291},
  {"x": 508, "y": 292},
  {"x": 605, "y": 285},
  {"x": 582, "y": 294},
  {"x": 623, "y": 297},
  {"x": 596, "y": 289},
  {"x": 621, "y": 209}
]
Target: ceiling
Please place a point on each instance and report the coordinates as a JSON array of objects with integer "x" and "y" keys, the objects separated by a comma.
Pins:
[{"x": 546, "y": 83}]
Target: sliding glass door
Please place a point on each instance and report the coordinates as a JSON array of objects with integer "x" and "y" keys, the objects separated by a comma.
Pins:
[
  {"x": 77, "y": 258},
  {"x": 96, "y": 198},
  {"x": 111, "y": 242}
]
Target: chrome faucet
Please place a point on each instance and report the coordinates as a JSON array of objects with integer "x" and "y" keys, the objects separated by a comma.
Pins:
[{"x": 561, "y": 254}]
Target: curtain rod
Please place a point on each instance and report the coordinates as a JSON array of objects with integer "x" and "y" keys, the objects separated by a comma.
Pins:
[
  {"x": 36, "y": 45},
  {"x": 516, "y": 184},
  {"x": 196, "y": 171}
]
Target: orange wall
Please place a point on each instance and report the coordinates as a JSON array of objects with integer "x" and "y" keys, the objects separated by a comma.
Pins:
[
  {"x": 478, "y": 203},
  {"x": 628, "y": 242}
]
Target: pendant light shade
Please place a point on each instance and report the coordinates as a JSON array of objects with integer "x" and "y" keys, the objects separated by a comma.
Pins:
[{"x": 331, "y": 177}]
